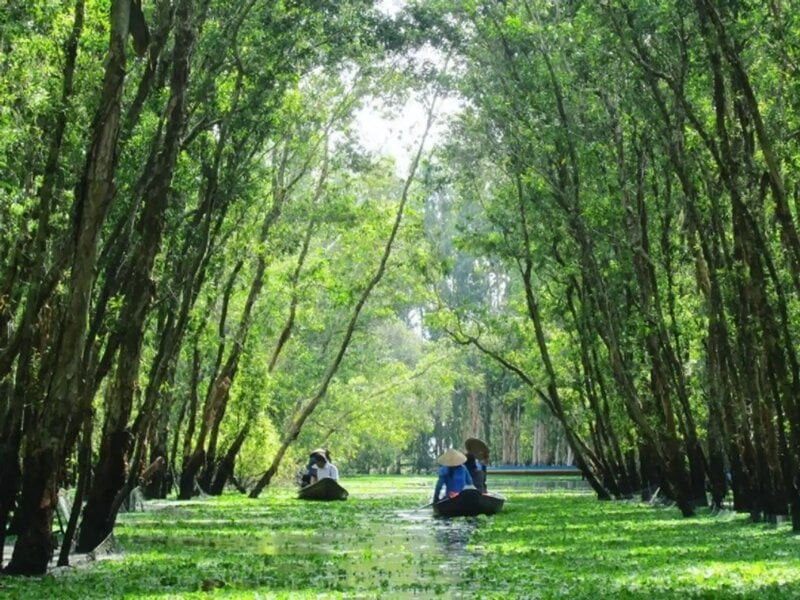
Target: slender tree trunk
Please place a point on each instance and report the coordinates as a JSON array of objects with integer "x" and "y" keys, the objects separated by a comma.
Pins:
[
  {"x": 311, "y": 405},
  {"x": 551, "y": 397},
  {"x": 84, "y": 479},
  {"x": 157, "y": 485},
  {"x": 10, "y": 432}
]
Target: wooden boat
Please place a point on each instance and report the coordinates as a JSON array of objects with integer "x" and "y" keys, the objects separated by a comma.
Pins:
[
  {"x": 469, "y": 503},
  {"x": 324, "y": 489}
]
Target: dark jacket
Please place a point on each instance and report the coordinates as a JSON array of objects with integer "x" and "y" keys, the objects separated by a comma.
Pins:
[{"x": 477, "y": 471}]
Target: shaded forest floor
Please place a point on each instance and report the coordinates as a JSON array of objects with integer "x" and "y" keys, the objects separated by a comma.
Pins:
[{"x": 548, "y": 543}]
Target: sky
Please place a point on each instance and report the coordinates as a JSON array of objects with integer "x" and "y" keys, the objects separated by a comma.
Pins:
[{"x": 397, "y": 132}]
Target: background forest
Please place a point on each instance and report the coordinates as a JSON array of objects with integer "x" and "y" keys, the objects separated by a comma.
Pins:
[{"x": 203, "y": 267}]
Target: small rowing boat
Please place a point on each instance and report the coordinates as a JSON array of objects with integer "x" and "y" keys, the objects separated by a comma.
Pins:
[
  {"x": 468, "y": 503},
  {"x": 324, "y": 489}
]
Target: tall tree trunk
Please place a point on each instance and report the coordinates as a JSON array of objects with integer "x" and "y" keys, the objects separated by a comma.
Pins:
[
  {"x": 216, "y": 403},
  {"x": 46, "y": 448},
  {"x": 157, "y": 486},
  {"x": 84, "y": 479},
  {"x": 11, "y": 432},
  {"x": 111, "y": 473},
  {"x": 217, "y": 397}
]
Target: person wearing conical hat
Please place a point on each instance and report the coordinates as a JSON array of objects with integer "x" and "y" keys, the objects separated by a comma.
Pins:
[
  {"x": 477, "y": 453},
  {"x": 453, "y": 475},
  {"x": 477, "y": 470},
  {"x": 323, "y": 451},
  {"x": 323, "y": 468},
  {"x": 309, "y": 475}
]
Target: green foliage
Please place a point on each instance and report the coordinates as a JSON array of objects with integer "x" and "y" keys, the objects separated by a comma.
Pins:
[{"x": 599, "y": 177}]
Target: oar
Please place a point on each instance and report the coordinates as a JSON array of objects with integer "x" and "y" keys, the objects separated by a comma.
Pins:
[{"x": 428, "y": 505}]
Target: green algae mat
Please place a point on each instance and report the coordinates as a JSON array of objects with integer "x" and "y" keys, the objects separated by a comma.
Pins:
[{"x": 549, "y": 542}]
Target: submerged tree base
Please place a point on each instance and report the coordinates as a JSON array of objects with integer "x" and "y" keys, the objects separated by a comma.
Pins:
[{"x": 547, "y": 543}]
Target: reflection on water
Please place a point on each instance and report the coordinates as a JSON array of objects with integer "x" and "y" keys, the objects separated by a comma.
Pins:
[
  {"x": 440, "y": 547},
  {"x": 406, "y": 553},
  {"x": 453, "y": 535}
]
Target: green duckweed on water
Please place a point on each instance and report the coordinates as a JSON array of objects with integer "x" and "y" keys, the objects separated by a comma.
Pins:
[{"x": 547, "y": 543}]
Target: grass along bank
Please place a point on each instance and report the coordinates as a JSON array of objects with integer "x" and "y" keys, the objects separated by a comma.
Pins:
[{"x": 548, "y": 544}]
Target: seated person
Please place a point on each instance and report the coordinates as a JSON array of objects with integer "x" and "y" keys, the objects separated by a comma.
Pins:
[
  {"x": 305, "y": 477},
  {"x": 453, "y": 475},
  {"x": 322, "y": 469},
  {"x": 477, "y": 471}
]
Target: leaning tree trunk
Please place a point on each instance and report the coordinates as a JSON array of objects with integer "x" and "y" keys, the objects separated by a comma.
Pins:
[
  {"x": 226, "y": 465},
  {"x": 46, "y": 447},
  {"x": 111, "y": 472},
  {"x": 603, "y": 430},
  {"x": 9, "y": 473},
  {"x": 315, "y": 400},
  {"x": 552, "y": 396},
  {"x": 84, "y": 477},
  {"x": 217, "y": 397},
  {"x": 157, "y": 486},
  {"x": 192, "y": 262},
  {"x": 224, "y": 470},
  {"x": 10, "y": 432}
]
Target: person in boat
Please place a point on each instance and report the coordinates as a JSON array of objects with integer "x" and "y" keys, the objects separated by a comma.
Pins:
[
  {"x": 477, "y": 470},
  {"x": 477, "y": 458},
  {"x": 323, "y": 468},
  {"x": 453, "y": 475},
  {"x": 308, "y": 473}
]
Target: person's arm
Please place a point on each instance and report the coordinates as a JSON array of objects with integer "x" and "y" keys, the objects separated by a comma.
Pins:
[
  {"x": 314, "y": 475},
  {"x": 467, "y": 476},
  {"x": 334, "y": 472},
  {"x": 438, "y": 488}
]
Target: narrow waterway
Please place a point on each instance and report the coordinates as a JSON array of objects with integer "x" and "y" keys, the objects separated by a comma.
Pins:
[
  {"x": 404, "y": 552},
  {"x": 552, "y": 540}
]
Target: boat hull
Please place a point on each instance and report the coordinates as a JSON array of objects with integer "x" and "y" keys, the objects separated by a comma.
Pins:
[
  {"x": 324, "y": 489},
  {"x": 469, "y": 503}
]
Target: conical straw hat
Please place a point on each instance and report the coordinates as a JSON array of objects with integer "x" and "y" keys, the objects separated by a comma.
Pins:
[
  {"x": 319, "y": 452},
  {"x": 451, "y": 458},
  {"x": 478, "y": 448}
]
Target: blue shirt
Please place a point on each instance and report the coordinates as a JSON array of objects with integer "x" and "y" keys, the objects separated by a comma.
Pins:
[{"x": 453, "y": 479}]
